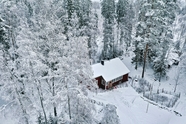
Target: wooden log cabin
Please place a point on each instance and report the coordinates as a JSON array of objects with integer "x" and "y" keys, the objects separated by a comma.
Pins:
[{"x": 109, "y": 73}]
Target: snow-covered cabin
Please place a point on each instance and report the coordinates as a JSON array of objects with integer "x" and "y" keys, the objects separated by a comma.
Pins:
[{"x": 110, "y": 73}]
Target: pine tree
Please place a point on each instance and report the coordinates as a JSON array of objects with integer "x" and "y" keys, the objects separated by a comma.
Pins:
[
  {"x": 140, "y": 32},
  {"x": 154, "y": 29}
]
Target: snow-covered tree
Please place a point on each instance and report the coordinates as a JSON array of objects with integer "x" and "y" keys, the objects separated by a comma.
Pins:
[
  {"x": 92, "y": 33},
  {"x": 13, "y": 85},
  {"x": 140, "y": 34},
  {"x": 108, "y": 12},
  {"x": 154, "y": 28},
  {"x": 124, "y": 23},
  {"x": 40, "y": 81},
  {"x": 67, "y": 65},
  {"x": 110, "y": 115},
  {"x": 166, "y": 18},
  {"x": 180, "y": 29},
  {"x": 86, "y": 22}
]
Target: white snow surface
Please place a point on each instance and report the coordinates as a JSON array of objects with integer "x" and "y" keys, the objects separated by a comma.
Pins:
[
  {"x": 110, "y": 70},
  {"x": 132, "y": 109},
  {"x": 178, "y": 120}
]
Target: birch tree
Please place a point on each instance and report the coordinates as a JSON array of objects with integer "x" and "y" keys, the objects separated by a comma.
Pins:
[{"x": 51, "y": 63}]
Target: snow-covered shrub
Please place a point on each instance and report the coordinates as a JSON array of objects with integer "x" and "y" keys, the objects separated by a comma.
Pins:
[
  {"x": 110, "y": 115},
  {"x": 141, "y": 85}
]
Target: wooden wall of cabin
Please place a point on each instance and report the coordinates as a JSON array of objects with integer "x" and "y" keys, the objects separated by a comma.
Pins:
[
  {"x": 125, "y": 77},
  {"x": 99, "y": 82},
  {"x": 99, "y": 79}
]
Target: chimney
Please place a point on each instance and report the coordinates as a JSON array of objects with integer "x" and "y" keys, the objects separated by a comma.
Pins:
[{"x": 102, "y": 62}]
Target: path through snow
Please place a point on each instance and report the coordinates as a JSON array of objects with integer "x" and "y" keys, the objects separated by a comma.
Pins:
[{"x": 131, "y": 108}]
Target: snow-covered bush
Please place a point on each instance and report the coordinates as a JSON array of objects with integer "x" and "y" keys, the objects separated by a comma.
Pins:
[
  {"x": 110, "y": 115},
  {"x": 141, "y": 85}
]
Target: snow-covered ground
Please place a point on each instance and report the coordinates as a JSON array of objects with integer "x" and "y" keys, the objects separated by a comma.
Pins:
[
  {"x": 3, "y": 119},
  {"x": 132, "y": 109}
]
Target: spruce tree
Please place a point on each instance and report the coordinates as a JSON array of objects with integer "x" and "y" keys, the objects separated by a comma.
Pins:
[
  {"x": 166, "y": 13},
  {"x": 124, "y": 23},
  {"x": 108, "y": 12}
]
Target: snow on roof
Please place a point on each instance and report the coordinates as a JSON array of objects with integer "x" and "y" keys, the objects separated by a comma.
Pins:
[{"x": 110, "y": 70}]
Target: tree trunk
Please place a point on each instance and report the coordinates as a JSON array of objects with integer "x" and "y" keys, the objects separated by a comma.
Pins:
[
  {"x": 68, "y": 100},
  {"x": 175, "y": 87},
  {"x": 21, "y": 104},
  {"x": 136, "y": 66},
  {"x": 41, "y": 101},
  {"x": 53, "y": 93},
  {"x": 177, "y": 79},
  {"x": 160, "y": 76},
  {"x": 69, "y": 106},
  {"x": 144, "y": 63}
]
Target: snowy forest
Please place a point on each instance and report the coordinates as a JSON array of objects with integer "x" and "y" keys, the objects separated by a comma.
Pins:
[{"x": 47, "y": 48}]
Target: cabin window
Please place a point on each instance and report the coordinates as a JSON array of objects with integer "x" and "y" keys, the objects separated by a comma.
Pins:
[
  {"x": 117, "y": 79},
  {"x": 102, "y": 82}
]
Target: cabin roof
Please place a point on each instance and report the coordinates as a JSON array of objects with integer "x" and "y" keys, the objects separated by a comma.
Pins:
[{"x": 110, "y": 70}]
